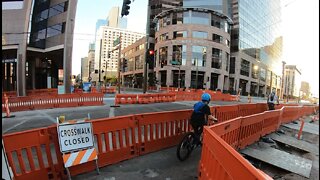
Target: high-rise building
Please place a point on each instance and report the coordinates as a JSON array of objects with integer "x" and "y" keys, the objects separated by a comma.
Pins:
[
  {"x": 246, "y": 56},
  {"x": 292, "y": 82},
  {"x": 32, "y": 60},
  {"x": 305, "y": 89},
  {"x": 104, "y": 44},
  {"x": 84, "y": 69},
  {"x": 256, "y": 46},
  {"x": 99, "y": 23}
]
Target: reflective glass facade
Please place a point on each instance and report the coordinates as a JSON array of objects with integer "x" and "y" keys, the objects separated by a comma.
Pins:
[
  {"x": 39, "y": 28},
  {"x": 259, "y": 32}
]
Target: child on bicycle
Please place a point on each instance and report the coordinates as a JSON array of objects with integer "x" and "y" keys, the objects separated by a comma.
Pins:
[{"x": 200, "y": 115}]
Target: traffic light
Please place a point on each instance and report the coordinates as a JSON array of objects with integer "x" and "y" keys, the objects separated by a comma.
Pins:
[
  {"x": 150, "y": 57},
  {"x": 125, "y": 7},
  {"x": 125, "y": 63}
]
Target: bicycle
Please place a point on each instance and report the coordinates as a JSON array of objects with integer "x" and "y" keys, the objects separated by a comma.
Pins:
[{"x": 187, "y": 144}]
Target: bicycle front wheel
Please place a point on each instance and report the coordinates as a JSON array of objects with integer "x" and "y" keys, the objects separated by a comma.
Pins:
[{"x": 185, "y": 147}]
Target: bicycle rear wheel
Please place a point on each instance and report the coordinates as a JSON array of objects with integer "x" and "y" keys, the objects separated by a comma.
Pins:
[{"x": 185, "y": 147}]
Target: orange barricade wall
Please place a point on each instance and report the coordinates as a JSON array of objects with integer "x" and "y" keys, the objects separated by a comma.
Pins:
[
  {"x": 224, "y": 113},
  {"x": 162, "y": 129},
  {"x": 115, "y": 141},
  {"x": 220, "y": 161},
  {"x": 90, "y": 99},
  {"x": 248, "y": 109},
  {"x": 289, "y": 113},
  {"x": 229, "y": 131},
  {"x": 34, "y": 154},
  {"x": 20, "y": 104},
  {"x": 271, "y": 121},
  {"x": 126, "y": 99},
  {"x": 250, "y": 130}
]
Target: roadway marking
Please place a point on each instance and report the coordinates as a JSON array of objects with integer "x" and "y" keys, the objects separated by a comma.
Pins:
[
  {"x": 47, "y": 116},
  {"x": 111, "y": 112},
  {"x": 12, "y": 127}
]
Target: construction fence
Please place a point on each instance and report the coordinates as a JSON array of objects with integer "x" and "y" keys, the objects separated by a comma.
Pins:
[{"x": 35, "y": 154}]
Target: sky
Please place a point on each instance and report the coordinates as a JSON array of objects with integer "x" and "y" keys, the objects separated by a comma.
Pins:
[{"x": 300, "y": 21}]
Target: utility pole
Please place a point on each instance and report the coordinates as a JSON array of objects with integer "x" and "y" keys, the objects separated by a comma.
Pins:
[
  {"x": 196, "y": 59},
  {"x": 100, "y": 61},
  {"x": 146, "y": 48},
  {"x": 119, "y": 63}
]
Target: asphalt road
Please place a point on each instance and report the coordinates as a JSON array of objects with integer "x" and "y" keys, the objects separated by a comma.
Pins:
[{"x": 26, "y": 120}]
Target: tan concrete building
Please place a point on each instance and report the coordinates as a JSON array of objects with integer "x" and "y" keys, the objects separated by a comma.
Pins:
[
  {"x": 132, "y": 75},
  {"x": 292, "y": 82},
  {"x": 33, "y": 60},
  {"x": 193, "y": 52},
  {"x": 85, "y": 69},
  {"x": 305, "y": 89},
  {"x": 104, "y": 44}
]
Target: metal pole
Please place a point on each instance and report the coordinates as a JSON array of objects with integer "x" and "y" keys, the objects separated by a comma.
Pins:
[
  {"x": 119, "y": 64},
  {"x": 146, "y": 47},
  {"x": 100, "y": 61},
  {"x": 179, "y": 79},
  {"x": 196, "y": 73}
]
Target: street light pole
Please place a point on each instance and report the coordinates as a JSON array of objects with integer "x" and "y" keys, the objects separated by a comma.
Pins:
[
  {"x": 146, "y": 47},
  {"x": 119, "y": 63},
  {"x": 196, "y": 59}
]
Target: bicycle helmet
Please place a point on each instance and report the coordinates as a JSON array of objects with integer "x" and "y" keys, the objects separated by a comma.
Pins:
[{"x": 206, "y": 97}]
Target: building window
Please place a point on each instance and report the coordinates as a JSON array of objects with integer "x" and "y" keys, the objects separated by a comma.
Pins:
[
  {"x": 254, "y": 71},
  {"x": 216, "y": 38},
  {"x": 227, "y": 61},
  {"x": 245, "y": 68},
  {"x": 262, "y": 74},
  {"x": 227, "y": 42},
  {"x": 56, "y": 29},
  {"x": 216, "y": 21},
  {"x": 163, "y": 56},
  {"x": 179, "y": 34},
  {"x": 58, "y": 9},
  {"x": 199, "y": 18},
  {"x": 199, "y": 55},
  {"x": 164, "y": 37},
  {"x": 178, "y": 54},
  {"x": 199, "y": 34},
  {"x": 177, "y": 18},
  {"x": 232, "y": 65},
  {"x": 216, "y": 58}
]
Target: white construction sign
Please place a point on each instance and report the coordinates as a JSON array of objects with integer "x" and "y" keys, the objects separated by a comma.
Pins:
[{"x": 76, "y": 136}]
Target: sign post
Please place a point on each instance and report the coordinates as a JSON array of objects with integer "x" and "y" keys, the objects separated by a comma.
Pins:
[{"x": 76, "y": 143}]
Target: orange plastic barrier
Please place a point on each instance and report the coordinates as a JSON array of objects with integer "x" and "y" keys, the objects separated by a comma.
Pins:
[
  {"x": 126, "y": 99},
  {"x": 35, "y": 154},
  {"x": 271, "y": 121},
  {"x": 251, "y": 129},
  {"x": 161, "y": 129},
  {"x": 290, "y": 113},
  {"x": 43, "y": 102},
  {"x": 90, "y": 99},
  {"x": 224, "y": 113},
  {"x": 248, "y": 109},
  {"x": 110, "y": 90},
  {"x": 220, "y": 161},
  {"x": 116, "y": 140},
  {"x": 19, "y": 103},
  {"x": 229, "y": 131}
]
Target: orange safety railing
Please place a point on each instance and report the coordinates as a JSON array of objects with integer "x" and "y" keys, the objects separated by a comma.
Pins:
[
  {"x": 126, "y": 99},
  {"x": 162, "y": 129},
  {"x": 271, "y": 121},
  {"x": 35, "y": 154},
  {"x": 229, "y": 131},
  {"x": 220, "y": 161},
  {"x": 224, "y": 113},
  {"x": 250, "y": 129},
  {"x": 54, "y": 101}
]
